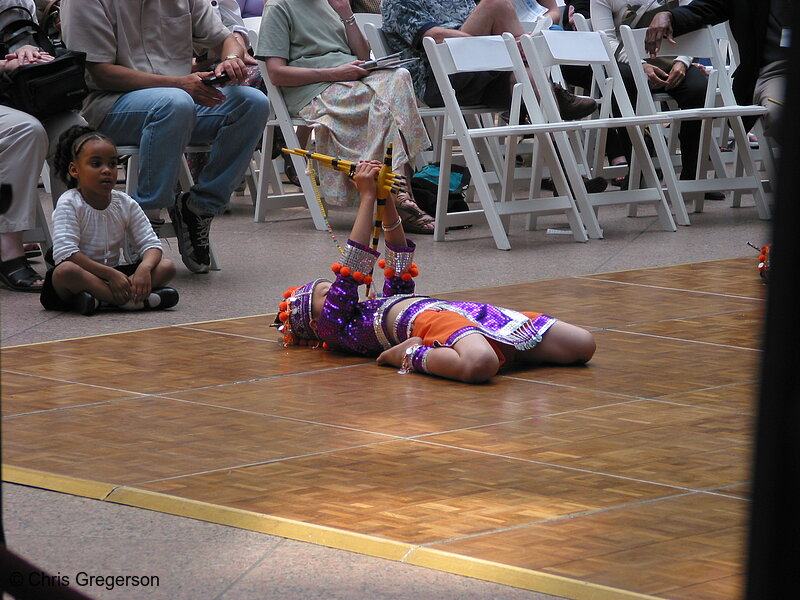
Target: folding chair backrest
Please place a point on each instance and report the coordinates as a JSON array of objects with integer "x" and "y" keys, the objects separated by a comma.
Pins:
[
  {"x": 728, "y": 47},
  {"x": 376, "y": 38},
  {"x": 582, "y": 23},
  {"x": 464, "y": 55},
  {"x": 552, "y": 49},
  {"x": 470, "y": 54},
  {"x": 364, "y": 18},
  {"x": 253, "y": 25}
]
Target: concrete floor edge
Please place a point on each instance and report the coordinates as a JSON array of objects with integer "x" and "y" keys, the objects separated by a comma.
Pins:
[{"x": 537, "y": 581}]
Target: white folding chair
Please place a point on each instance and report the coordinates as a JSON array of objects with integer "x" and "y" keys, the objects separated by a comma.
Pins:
[
  {"x": 549, "y": 51},
  {"x": 41, "y": 232},
  {"x": 253, "y": 25},
  {"x": 767, "y": 151},
  {"x": 720, "y": 107},
  {"x": 165, "y": 230},
  {"x": 491, "y": 165},
  {"x": 362, "y": 19},
  {"x": 280, "y": 198},
  {"x": 374, "y": 34},
  {"x": 432, "y": 117}
]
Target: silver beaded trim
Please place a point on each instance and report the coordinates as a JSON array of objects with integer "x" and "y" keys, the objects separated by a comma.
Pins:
[
  {"x": 358, "y": 259},
  {"x": 377, "y": 325},
  {"x": 399, "y": 261}
]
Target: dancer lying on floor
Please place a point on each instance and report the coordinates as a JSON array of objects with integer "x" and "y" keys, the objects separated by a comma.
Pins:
[
  {"x": 466, "y": 341},
  {"x": 104, "y": 247}
]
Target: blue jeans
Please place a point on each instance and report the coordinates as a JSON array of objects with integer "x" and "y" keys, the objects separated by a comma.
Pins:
[{"x": 163, "y": 121}]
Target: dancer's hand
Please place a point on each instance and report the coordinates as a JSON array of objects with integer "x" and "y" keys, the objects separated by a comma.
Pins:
[{"x": 366, "y": 178}]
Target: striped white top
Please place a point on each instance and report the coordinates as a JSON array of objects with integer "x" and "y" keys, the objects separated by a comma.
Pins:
[{"x": 119, "y": 234}]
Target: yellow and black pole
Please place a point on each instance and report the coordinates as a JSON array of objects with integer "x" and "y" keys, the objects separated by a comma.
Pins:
[
  {"x": 396, "y": 182},
  {"x": 388, "y": 181}
]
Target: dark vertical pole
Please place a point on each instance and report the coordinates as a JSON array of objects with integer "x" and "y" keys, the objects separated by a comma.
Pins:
[{"x": 774, "y": 542}]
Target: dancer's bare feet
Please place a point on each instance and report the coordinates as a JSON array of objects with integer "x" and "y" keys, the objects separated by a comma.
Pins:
[{"x": 394, "y": 355}]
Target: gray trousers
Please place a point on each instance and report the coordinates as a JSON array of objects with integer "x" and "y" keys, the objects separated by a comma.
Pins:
[
  {"x": 25, "y": 144},
  {"x": 771, "y": 85}
]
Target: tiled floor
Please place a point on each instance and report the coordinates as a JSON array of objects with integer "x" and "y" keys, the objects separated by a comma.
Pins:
[{"x": 626, "y": 477}]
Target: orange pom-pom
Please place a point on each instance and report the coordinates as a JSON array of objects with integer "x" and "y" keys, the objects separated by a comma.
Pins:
[
  {"x": 324, "y": 345},
  {"x": 335, "y": 267},
  {"x": 382, "y": 263},
  {"x": 368, "y": 279},
  {"x": 414, "y": 271},
  {"x": 283, "y": 316},
  {"x": 414, "y": 266},
  {"x": 406, "y": 277},
  {"x": 358, "y": 276},
  {"x": 287, "y": 293},
  {"x": 389, "y": 273},
  {"x": 283, "y": 305},
  {"x": 344, "y": 271}
]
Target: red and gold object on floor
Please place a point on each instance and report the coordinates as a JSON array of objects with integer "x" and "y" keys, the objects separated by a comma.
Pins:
[{"x": 763, "y": 259}]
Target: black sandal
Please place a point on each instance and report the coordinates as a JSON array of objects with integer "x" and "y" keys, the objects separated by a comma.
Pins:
[
  {"x": 288, "y": 170},
  {"x": 18, "y": 275},
  {"x": 415, "y": 220}
]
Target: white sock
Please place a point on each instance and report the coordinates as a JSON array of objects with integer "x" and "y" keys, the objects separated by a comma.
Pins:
[
  {"x": 131, "y": 305},
  {"x": 153, "y": 300}
]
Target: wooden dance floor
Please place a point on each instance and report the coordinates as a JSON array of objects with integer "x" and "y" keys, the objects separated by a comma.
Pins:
[{"x": 627, "y": 478}]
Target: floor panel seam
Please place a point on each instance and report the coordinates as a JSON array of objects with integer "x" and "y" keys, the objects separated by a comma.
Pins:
[
  {"x": 671, "y": 289},
  {"x": 258, "y": 463},
  {"x": 677, "y": 339},
  {"x": 284, "y": 417},
  {"x": 566, "y": 517},
  {"x": 566, "y": 467}
]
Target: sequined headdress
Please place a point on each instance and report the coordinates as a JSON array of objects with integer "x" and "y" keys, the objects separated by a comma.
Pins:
[{"x": 294, "y": 316}]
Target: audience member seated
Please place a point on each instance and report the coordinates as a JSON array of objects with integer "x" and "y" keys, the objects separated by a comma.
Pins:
[
  {"x": 230, "y": 14},
  {"x": 407, "y": 22},
  {"x": 144, "y": 93},
  {"x": 313, "y": 50},
  {"x": 25, "y": 144},
  {"x": 678, "y": 77},
  {"x": 762, "y": 32},
  {"x": 581, "y": 76}
]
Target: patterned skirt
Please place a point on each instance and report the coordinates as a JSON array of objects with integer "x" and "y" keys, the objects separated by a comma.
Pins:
[{"x": 356, "y": 120}]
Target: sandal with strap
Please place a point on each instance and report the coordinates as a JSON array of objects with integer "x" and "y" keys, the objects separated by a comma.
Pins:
[
  {"x": 415, "y": 220},
  {"x": 18, "y": 275}
]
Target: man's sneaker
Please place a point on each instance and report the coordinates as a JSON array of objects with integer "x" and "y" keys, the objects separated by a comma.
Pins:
[
  {"x": 593, "y": 186},
  {"x": 162, "y": 298},
  {"x": 573, "y": 107},
  {"x": 192, "y": 233},
  {"x": 84, "y": 303}
]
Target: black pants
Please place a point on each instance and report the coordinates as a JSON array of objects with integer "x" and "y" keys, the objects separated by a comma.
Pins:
[
  {"x": 617, "y": 142},
  {"x": 689, "y": 93}
]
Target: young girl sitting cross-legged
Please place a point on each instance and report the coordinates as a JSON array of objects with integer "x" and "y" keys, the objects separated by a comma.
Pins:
[
  {"x": 466, "y": 341},
  {"x": 104, "y": 247}
]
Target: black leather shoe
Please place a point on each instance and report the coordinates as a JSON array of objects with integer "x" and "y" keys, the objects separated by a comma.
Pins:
[
  {"x": 593, "y": 186},
  {"x": 572, "y": 107},
  {"x": 162, "y": 298},
  {"x": 84, "y": 303}
]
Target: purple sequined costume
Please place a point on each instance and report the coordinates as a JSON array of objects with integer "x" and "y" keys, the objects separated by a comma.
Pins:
[{"x": 360, "y": 327}]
